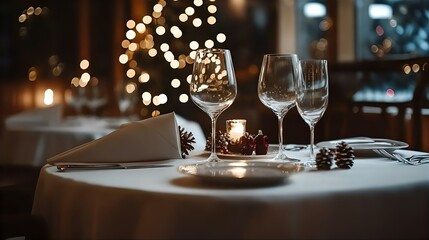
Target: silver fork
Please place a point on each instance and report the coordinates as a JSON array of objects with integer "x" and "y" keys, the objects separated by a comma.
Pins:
[{"x": 413, "y": 160}]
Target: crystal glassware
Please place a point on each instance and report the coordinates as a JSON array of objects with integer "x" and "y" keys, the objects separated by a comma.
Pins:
[
  {"x": 213, "y": 87},
  {"x": 277, "y": 90},
  {"x": 312, "y": 95},
  {"x": 127, "y": 98}
]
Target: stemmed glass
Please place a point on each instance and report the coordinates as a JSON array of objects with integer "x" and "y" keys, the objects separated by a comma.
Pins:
[
  {"x": 213, "y": 87},
  {"x": 277, "y": 90},
  {"x": 312, "y": 95},
  {"x": 75, "y": 97},
  {"x": 126, "y": 96},
  {"x": 96, "y": 96}
]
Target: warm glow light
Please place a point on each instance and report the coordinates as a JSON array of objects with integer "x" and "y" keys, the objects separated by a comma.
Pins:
[
  {"x": 209, "y": 43},
  {"x": 152, "y": 52},
  {"x": 198, "y": 3},
  {"x": 84, "y": 64},
  {"x": 85, "y": 77},
  {"x": 183, "y": 17},
  {"x": 146, "y": 96},
  {"x": 123, "y": 58},
  {"x": 211, "y": 20},
  {"x": 197, "y": 22},
  {"x": 130, "y": 87},
  {"x": 164, "y": 47},
  {"x": 160, "y": 30},
  {"x": 49, "y": 97},
  {"x": 236, "y": 128},
  {"x": 155, "y": 100},
  {"x": 131, "y": 24},
  {"x": 131, "y": 73},
  {"x": 130, "y": 34},
  {"x": 144, "y": 77},
  {"x": 221, "y": 37},
  {"x": 212, "y": 9},
  {"x": 157, "y": 7},
  {"x": 156, "y": 113},
  {"x": 168, "y": 56},
  {"x": 190, "y": 11},
  {"x": 32, "y": 74},
  {"x": 175, "y": 83},
  {"x": 133, "y": 47},
  {"x": 141, "y": 28},
  {"x": 147, "y": 19},
  {"x": 174, "y": 64},
  {"x": 162, "y": 98},
  {"x": 194, "y": 45},
  {"x": 125, "y": 43},
  {"x": 183, "y": 98}
]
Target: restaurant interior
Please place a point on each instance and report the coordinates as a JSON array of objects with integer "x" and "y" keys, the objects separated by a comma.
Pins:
[{"x": 133, "y": 59}]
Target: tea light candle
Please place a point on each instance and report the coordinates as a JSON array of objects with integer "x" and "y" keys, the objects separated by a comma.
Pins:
[{"x": 235, "y": 129}]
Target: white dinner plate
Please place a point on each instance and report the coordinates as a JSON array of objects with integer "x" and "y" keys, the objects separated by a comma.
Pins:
[
  {"x": 241, "y": 173},
  {"x": 364, "y": 143}
]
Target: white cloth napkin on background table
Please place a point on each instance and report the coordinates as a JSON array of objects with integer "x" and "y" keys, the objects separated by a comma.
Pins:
[
  {"x": 36, "y": 117},
  {"x": 151, "y": 139}
]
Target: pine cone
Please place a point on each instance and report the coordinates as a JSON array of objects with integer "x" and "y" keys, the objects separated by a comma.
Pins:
[
  {"x": 247, "y": 144},
  {"x": 186, "y": 141},
  {"x": 324, "y": 159},
  {"x": 261, "y": 144},
  {"x": 344, "y": 155},
  {"x": 222, "y": 142}
]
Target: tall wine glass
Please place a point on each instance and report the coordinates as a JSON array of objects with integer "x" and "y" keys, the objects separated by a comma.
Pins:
[
  {"x": 213, "y": 87},
  {"x": 312, "y": 95},
  {"x": 277, "y": 90}
]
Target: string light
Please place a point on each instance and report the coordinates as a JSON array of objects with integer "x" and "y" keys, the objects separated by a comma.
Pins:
[{"x": 148, "y": 37}]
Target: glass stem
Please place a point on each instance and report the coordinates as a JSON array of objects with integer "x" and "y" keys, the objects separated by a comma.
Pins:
[
  {"x": 214, "y": 119},
  {"x": 213, "y": 155},
  {"x": 280, "y": 123},
  {"x": 312, "y": 158}
]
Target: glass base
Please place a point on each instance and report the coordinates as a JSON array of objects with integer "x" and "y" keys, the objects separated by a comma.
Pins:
[
  {"x": 211, "y": 159},
  {"x": 282, "y": 157}
]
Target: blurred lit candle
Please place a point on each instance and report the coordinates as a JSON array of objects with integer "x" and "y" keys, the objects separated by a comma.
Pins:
[{"x": 235, "y": 128}]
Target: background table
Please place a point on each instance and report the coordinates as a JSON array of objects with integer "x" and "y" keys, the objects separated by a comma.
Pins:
[
  {"x": 32, "y": 145},
  {"x": 377, "y": 198}
]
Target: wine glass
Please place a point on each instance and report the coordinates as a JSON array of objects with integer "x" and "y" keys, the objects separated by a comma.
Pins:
[
  {"x": 127, "y": 97},
  {"x": 213, "y": 87},
  {"x": 312, "y": 95},
  {"x": 277, "y": 90},
  {"x": 96, "y": 96},
  {"x": 75, "y": 97}
]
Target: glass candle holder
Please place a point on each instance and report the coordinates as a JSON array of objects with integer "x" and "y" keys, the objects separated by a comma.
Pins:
[{"x": 235, "y": 129}]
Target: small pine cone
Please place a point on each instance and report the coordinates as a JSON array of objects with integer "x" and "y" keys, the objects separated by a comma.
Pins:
[
  {"x": 261, "y": 144},
  {"x": 247, "y": 144},
  {"x": 186, "y": 141},
  {"x": 222, "y": 142},
  {"x": 344, "y": 155},
  {"x": 324, "y": 159}
]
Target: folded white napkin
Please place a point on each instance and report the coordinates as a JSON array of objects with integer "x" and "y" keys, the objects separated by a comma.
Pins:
[
  {"x": 36, "y": 117},
  {"x": 151, "y": 139}
]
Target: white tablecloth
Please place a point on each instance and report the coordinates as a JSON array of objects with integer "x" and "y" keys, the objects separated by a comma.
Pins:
[
  {"x": 34, "y": 144},
  {"x": 377, "y": 198}
]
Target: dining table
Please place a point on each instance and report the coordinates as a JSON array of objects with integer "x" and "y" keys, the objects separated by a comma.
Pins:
[
  {"x": 377, "y": 198},
  {"x": 31, "y": 144}
]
